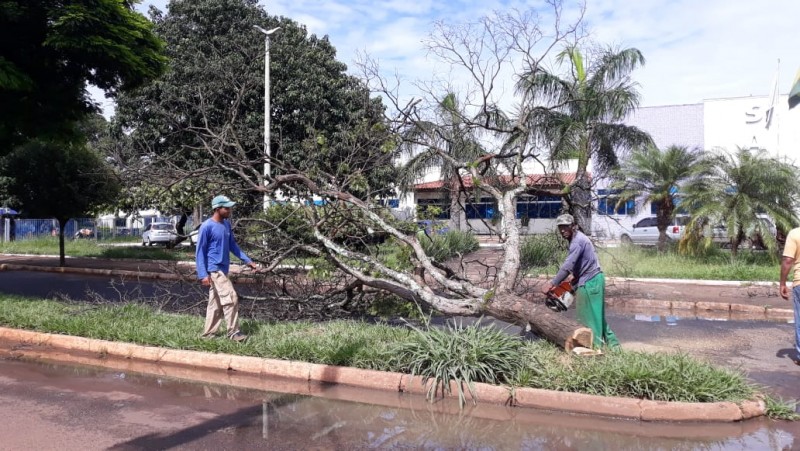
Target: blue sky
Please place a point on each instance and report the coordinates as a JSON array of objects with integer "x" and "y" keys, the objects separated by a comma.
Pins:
[{"x": 694, "y": 49}]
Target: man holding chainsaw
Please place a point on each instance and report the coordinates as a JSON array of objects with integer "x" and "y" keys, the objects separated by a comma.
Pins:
[{"x": 587, "y": 278}]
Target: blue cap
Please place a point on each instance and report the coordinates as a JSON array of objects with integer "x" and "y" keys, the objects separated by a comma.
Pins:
[{"x": 221, "y": 201}]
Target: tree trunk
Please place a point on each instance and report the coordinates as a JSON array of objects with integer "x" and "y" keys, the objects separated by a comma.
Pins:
[
  {"x": 663, "y": 220},
  {"x": 179, "y": 227},
  {"x": 62, "y": 261},
  {"x": 581, "y": 204},
  {"x": 554, "y": 327}
]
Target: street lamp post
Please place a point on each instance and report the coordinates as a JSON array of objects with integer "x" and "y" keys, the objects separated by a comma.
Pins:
[{"x": 267, "y": 152}]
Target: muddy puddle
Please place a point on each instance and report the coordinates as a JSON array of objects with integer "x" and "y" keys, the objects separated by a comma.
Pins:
[{"x": 286, "y": 414}]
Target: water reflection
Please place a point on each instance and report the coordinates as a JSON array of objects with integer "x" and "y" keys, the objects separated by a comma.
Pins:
[{"x": 345, "y": 418}]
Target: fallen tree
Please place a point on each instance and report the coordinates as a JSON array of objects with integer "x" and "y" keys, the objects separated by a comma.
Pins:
[{"x": 333, "y": 209}]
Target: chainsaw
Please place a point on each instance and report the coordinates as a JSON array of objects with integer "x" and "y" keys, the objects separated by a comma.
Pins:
[{"x": 560, "y": 297}]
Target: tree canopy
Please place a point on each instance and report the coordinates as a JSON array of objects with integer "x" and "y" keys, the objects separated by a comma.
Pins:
[
  {"x": 655, "y": 175},
  {"x": 741, "y": 186},
  {"x": 58, "y": 180},
  {"x": 212, "y": 100},
  {"x": 587, "y": 104},
  {"x": 50, "y": 50}
]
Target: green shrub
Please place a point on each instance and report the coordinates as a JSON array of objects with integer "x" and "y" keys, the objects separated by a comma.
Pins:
[
  {"x": 459, "y": 354},
  {"x": 660, "y": 377},
  {"x": 541, "y": 251},
  {"x": 444, "y": 246}
]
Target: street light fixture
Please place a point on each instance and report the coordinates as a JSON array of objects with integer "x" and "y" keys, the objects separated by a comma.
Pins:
[{"x": 267, "y": 152}]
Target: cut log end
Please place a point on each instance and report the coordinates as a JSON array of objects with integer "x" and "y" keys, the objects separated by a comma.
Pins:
[{"x": 581, "y": 338}]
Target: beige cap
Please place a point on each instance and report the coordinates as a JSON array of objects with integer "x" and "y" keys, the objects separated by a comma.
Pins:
[{"x": 565, "y": 219}]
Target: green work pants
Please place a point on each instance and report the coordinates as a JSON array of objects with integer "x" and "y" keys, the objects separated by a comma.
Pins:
[{"x": 591, "y": 310}]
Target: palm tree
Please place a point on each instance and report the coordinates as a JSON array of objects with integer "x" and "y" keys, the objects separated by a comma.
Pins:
[
  {"x": 654, "y": 176},
  {"x": 579, "y": 115},
  {"x": 740, "y": 187},
  {"x": 443, "y": 142}
]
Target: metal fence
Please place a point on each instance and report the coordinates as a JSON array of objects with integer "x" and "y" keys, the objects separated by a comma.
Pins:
[{"x": 12, "y": 229}]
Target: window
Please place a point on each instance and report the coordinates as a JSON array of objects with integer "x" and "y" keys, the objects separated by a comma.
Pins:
[
  {"x": 483, "y": 209},
  {"x": 539, "y": 207},
  {"x": 646, "y": 222},
  {"x": 607, "y": 204},
  {"x": 424, "y": 204}
]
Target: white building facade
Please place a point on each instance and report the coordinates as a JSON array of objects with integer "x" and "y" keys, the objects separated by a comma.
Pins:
[{"x": 714, "y": 124}]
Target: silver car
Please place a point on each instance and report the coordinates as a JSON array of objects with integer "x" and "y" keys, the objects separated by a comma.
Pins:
[
  {"x": 645, "y": 232},
  {"x": 159, "y": 233}
]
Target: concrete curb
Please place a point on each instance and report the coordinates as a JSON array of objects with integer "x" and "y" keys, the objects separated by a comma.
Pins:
[
  {"x": 91, "y": 271},
  {"x": 626, "y": 408},
  {"x": 701, "y": 282},
  {"x": 730, "y": 308}
]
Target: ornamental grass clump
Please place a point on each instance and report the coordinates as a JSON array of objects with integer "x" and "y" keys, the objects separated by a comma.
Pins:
[
  {"x": 542, "y": 251},
  {"x": 461, "y": 355},
  {"x": 643, "y": 375},
  {"x": 452, "y": 243}
]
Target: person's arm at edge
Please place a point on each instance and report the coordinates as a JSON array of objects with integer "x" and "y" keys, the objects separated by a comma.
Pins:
[
  {"x": 786, "y": 265},
  {"x": 789, "y": 251},
  {"x": 237, "y": 251},
  {"x": 564, "y": 270},
  {"x": 200, "y": 253}
]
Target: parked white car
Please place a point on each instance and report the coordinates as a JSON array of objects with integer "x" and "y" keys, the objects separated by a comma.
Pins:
[
  {"x": 159, "y": 233},
  {"x": 645, "y": 232},
  {"x": 719, "y": 234}
]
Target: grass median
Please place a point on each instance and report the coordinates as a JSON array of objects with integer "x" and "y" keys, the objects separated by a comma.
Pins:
[
  {"x": 542, "y": 254},
  {"x": 467, "y": 353},
  {"x": 98, "y": 249}
]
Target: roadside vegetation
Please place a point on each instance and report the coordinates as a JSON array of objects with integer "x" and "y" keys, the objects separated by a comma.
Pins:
[
  {"x": 93, "y": 248},
  {"x": 542, "y": 254},
  {"x": 466, "y": 354}
]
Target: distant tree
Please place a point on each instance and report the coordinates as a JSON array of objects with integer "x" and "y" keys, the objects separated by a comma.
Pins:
[
  {"x": 58, "y": 180},
  {"x": 51, "y": 50},
  {"x": 740, "y": 186},
  {"x": 458, "y": 142},
  {"x": 655, "y": 176},
  {"x": 584, "y": 119},
  {"x": 215, "y": 86}
]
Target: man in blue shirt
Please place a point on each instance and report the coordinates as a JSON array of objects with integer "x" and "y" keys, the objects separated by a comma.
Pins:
[
  {"x": 588, "y": 280},
  {"x": 215, "y": 243}
]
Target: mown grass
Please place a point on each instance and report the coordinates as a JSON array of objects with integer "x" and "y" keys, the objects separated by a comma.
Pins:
[
  {"x": 632, "y": 261},
  {"x": 467, "y": 354},
  {"x": 93, "y": 248},
  {"x": 542, "y": 254}
]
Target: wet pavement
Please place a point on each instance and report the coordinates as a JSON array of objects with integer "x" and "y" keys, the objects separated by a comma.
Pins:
[
  {"x": 759, "y": 345},
  {"x": 49, "y": 406}
]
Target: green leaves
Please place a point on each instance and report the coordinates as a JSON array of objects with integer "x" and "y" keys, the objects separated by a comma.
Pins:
[
  {"x": 51, "y": 50},
  {"x": 740, "y": 186},
  {"x": 459, "y": 356}
]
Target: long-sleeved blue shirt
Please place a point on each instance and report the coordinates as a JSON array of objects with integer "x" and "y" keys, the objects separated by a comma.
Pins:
[
  {"x": 215, "y": 243},
  {"x": 581, "y": 261}
]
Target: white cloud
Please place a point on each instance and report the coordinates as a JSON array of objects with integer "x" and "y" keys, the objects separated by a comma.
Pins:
[{"x": 694, "y": 50}]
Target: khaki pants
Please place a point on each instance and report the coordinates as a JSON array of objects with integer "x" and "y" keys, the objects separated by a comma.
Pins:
[{"x": 222, "y": 302}]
